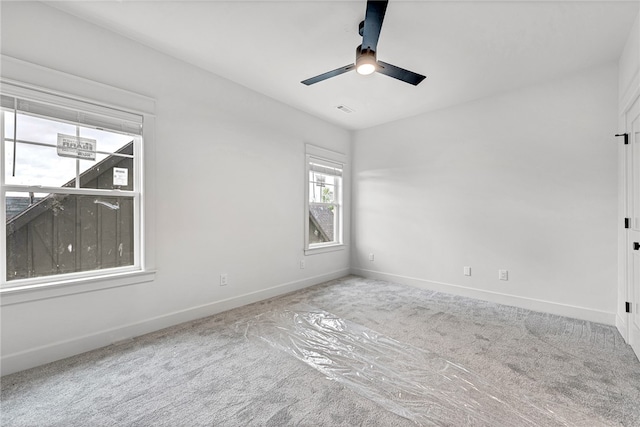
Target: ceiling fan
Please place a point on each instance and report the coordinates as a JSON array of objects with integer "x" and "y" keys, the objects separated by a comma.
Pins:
[{"x": 366, "y": 59}]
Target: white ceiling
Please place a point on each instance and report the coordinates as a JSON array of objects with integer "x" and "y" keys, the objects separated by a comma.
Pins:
[{"x": 467, "y": 50}]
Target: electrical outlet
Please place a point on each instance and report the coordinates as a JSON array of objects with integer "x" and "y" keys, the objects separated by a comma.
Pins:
[
  {"x": 224, "y": 279},
  {"x": 503, "y": 274},
  {"x": 371, "y": 257},
  {"x": 467, "y": 271},
  {"x": 302, "y": 264}
]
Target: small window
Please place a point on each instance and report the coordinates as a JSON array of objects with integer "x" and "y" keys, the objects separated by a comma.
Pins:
[
  {"x": 323, "y": 202},
  {"x": 70, "y": 187}
]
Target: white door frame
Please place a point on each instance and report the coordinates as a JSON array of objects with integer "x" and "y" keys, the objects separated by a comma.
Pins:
[{"x": 629, "y": 292}]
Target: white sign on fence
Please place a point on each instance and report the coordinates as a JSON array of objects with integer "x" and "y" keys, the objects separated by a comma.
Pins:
[{"x": 76, "y": 147}]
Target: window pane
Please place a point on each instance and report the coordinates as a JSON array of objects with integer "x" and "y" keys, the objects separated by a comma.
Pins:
[
  {"x": 321, "y": 194},
  {"x": 322, "y": 188},
  {"x": 62, "y": 233},
  {"x": 321, "y": 178},
  {"x": 108, "y": 142},
  {"x": 322, "y": 221},
  {"x": 8, "y": 124},
  {"x": 111, "y": 172},
  {"x": 114, "y": 151},
  {"x": 37, "y": 165},
  {"x": 41, "y": 130}
]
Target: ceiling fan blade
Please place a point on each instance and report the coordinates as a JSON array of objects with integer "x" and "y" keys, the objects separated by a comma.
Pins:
[
  {"x": 329, "y": 74},
  {"x": 373, "y": 24},
  {"x": 399, "y": 73}
]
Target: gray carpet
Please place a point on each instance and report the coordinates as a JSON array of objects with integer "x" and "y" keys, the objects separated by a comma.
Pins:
[{"x": 208, "y": 373}]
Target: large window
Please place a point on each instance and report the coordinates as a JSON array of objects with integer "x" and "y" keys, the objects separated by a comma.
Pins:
[
  {"x": 324, "y": 200},
  {"x": 70, "y": 187}
]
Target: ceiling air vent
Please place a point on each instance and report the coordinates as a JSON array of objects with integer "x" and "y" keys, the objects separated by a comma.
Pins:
[{"x": 344, "y": 109}]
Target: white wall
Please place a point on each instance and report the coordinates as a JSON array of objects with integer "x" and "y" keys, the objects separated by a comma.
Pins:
[
  {"x": 523, "y": 181},
  {"x": 229, "y": 181},
  {"x": 629, "y": 66},
  {"x": 628, "y": 91}
]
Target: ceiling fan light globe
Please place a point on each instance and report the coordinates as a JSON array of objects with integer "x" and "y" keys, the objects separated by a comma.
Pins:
[{"x": 366, "y": 68}]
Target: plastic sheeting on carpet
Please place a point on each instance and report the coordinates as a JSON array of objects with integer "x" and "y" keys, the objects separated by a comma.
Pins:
[{"x": 413, "y": 383}]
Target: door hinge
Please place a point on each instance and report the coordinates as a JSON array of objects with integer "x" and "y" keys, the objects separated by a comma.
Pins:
[
  {"x": 626, "y": 137},
  {"x": 636, "y": 246},
  {"x": 626, "y": 222},
  {"x": 627, "y": 307}
]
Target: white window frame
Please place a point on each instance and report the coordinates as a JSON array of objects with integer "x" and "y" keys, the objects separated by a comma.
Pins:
[
  {"x": 330, "y": 159},
  {"x": 102, "y": 100}
]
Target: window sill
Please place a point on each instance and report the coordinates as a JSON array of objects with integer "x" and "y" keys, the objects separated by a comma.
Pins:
[
  {"x": 324, "y": 249},
  {"x": 27, "y": 293}
]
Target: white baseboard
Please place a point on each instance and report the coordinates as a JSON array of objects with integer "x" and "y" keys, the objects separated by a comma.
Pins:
[
  {"x": 575, "y": 312},
  {"x": 33, "y": 357}
]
